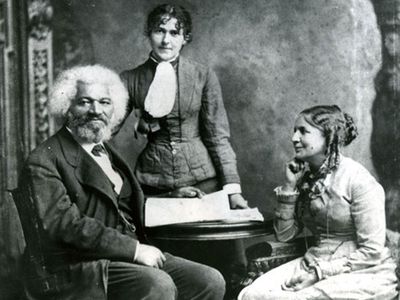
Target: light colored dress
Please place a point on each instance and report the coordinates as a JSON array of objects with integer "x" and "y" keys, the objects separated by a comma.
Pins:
[{"x": 350, "y": 257}]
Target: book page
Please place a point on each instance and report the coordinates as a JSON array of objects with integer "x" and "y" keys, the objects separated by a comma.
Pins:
[
  {"x": 212, "y": 207},
  {"x": 164, "y": 211},
  {"x": 241, "y": 215}
]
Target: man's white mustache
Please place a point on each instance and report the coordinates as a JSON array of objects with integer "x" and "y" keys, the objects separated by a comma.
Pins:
[{"x": 95, "y": 118}]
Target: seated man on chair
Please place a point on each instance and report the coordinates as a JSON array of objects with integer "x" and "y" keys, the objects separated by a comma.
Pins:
[{"x": 88, "y": 207}]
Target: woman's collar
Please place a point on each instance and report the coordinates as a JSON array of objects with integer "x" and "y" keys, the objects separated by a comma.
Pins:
[{"x": 173, "y": 61}]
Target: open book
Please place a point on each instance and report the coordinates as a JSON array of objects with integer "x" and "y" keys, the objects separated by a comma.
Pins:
[{"x": 212, "y": 207}]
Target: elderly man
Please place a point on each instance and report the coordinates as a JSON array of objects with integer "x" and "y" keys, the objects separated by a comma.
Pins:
[{"x": 88, "y": 208}]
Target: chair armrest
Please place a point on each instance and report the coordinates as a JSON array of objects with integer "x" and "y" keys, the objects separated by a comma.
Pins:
[{"x": 269, "y": 254}]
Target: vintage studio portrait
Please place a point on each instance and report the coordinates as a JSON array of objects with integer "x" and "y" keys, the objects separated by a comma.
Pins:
[{"x": 199, "y": 150}]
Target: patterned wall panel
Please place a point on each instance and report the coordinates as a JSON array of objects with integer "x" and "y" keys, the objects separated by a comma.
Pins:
[
  {"x": 385, "y": 142},
  {"x": 40, "y": 57}
]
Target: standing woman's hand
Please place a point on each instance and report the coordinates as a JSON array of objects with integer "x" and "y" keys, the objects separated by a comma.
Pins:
[
  {"x": 294, "y": 170},
  {"x": 187, "y": 192},
  {"x": 236, "y": 201}
]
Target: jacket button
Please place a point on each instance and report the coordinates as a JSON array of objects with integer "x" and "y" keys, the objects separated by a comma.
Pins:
[
  {"x": 173, "y": 151},
  {"x": 172, "y": 143}
]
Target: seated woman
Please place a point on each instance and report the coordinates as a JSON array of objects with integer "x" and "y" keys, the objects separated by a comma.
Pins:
[{"x": 340, "y": 202}]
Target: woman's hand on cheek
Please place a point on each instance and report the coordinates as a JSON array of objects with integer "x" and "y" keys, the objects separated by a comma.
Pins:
[{"x": 294, "y": 171}]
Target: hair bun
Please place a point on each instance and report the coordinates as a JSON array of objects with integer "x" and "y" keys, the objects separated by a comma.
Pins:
[{"x": 351, "y": 129}]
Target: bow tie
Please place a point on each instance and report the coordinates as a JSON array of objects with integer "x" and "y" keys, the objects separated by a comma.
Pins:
[{"x": 98, "y": 150}]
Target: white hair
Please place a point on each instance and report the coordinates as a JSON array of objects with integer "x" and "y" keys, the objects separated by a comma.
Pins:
[{"x": 66, "y": 85}]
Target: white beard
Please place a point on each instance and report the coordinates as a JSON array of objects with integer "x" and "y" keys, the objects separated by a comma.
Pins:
[{"x": 88, "y": 130}]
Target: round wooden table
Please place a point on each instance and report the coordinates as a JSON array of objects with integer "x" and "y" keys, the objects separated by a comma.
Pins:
[
  {"x": 210, "y": 231},
  {"x": 221, "y": 245}
]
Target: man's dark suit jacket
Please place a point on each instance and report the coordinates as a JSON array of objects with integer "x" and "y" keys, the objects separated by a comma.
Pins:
[{"x": 74, "y": 211}]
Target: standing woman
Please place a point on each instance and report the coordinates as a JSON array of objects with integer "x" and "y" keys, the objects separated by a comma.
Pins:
[
  {"x": 340, "y": 202},
  {"x": 179, "y": 103}
]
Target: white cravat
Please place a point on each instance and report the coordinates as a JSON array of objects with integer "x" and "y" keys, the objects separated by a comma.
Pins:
[
  {"x": 105, "y": 164},
  {"x": 162, "y": 91}
]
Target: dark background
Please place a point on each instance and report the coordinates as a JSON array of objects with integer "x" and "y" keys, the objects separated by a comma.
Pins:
[{"x": 273, "y": 58}]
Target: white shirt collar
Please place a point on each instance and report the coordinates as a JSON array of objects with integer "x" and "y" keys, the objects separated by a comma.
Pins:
[{"x": 154, "y": 58}]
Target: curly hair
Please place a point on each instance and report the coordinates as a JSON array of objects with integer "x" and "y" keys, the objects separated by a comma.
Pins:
[
  {"x": 163, "y": 13},
  {"x": 338, "y": 128},
  {"x": 65, "y": 88}
]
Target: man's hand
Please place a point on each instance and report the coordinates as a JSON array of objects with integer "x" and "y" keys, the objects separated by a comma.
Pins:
[
  {"x": 300, "y": 280},
  {"x": 149, "y": 256},
  {"x": 187, "y": 192},
  {"x": 237, "y": 201}
]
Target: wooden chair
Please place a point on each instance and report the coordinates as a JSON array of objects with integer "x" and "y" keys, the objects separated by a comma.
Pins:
[
  {"x": 12, "y": 245},
  {"x": 33, "y": 250},
  {"x": 274, "y": 254}
]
